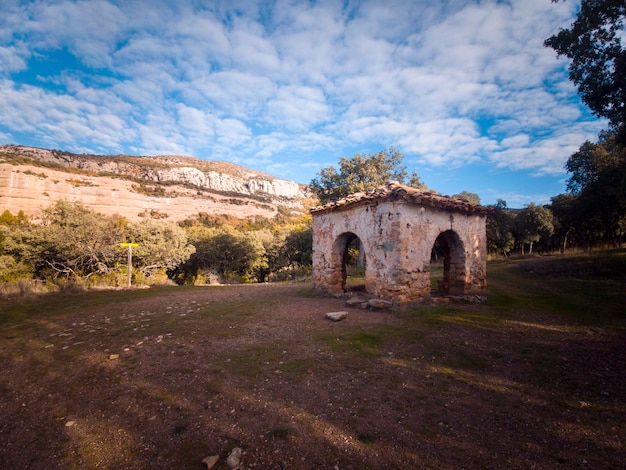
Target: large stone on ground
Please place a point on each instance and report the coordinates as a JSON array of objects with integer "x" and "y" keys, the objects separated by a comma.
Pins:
[
  {"x": 336, "y": 316},
  {"x": 379, "y": 303},
  {"x": 355, "y": 302}
]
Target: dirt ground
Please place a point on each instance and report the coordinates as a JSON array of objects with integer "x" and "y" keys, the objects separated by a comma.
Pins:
[{"x": 177, "y": 375}]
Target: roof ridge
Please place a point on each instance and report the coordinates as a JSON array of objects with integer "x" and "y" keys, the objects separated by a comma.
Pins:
[{"x": 395, "y": 190}]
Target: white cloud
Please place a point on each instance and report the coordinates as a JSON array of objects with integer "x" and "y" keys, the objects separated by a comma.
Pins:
[
  {"x": 12, "y": 58},
  {"x": 282, "y": 83},
  {"x": 297, "y": 108},
  {"x": 89, "y": 29},
  {"x": 543, "y": 156},
  {"x": 446, "y": 142}
]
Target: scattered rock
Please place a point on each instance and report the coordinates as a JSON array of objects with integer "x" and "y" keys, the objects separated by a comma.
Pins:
[
  {"x": 69, "y": 424},
  {"x": 336, "y": 316},
  {"x": 211, "y": 461},
  {"x": 379, "y": 303},
  {"x": 234, "y": 459},
  {"x": 113, "y": 357},
  {"x": 355, "y": 302},
  {"x": 468, "y": 299}
]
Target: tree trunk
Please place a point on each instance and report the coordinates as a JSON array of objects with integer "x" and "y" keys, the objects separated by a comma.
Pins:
[{"x": 564, "y": 246}]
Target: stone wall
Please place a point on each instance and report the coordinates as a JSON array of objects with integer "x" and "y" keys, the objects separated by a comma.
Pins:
[{"x": 398, "y": 237}]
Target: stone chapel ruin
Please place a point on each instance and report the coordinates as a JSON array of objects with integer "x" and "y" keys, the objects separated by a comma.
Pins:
[{"x": 398, "y": 226}]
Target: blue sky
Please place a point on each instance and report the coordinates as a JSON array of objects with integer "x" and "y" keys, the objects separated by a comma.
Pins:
[{"x": 464, "y": 89}]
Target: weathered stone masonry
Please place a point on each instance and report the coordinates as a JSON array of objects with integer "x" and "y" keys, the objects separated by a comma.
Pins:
[{"x": 398, "y": 226}]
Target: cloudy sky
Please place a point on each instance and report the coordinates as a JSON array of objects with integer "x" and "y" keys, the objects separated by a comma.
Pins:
[{"x": 464, "y": 89}]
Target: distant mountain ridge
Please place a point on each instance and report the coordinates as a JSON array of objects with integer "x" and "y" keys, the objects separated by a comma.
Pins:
[{"x": 172, "y": 187}]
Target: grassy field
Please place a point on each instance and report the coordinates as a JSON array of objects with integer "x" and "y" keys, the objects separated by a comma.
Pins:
[{"x": 164, "y": 377}]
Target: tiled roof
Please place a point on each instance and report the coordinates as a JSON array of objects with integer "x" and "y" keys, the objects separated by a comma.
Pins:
[{"x": 395, "y": 191}]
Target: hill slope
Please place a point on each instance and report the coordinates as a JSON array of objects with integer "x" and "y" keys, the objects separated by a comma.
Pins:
[{"x": 171, "y": 187}]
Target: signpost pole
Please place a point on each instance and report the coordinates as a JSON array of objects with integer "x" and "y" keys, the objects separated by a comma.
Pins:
[{"x": 129, "y": 262}]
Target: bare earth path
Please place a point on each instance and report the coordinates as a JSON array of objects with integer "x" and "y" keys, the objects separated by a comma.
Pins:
[{"x": 165, "y": 379}]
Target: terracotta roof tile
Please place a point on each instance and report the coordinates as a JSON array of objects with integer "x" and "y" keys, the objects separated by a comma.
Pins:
[{"x": 395, "y": 191}]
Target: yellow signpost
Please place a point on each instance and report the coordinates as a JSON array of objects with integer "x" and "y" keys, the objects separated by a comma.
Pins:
[{"x": 130, "y": 260}]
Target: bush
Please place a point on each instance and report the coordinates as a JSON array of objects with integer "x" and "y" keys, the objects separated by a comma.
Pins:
[{"x": 22, "y": 288}]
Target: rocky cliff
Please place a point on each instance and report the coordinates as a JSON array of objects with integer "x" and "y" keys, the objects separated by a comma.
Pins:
[{"x": 172, "y": 187}]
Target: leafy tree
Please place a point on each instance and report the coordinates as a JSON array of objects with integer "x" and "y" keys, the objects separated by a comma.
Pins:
[
  {"x": 598, "y": 179},
  {"x": 12, "y": 267},
  {"x": 531, "y": 224},
  {"x": 162, "y": 245},
  {"x": 14, "y": 221},
  {"x": 224, "y": 251},
  {"x": 472, "y": 198},
  {"x": 361, "y": 173},
  {"x": 298, "y": 247},
  {"x": 500, "y": 240},
  {"x": 566, "y": 219},
  {"x": 72, "y": 241},
  {"x": 594, "y": 44}
]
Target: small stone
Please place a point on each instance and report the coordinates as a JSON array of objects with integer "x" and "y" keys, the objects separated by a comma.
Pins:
[
  {"x": 336, "y": 316},
  {"x": 69, "y": 424},
  {"x": 113, "y": 357},
  {"x": 355, "y": 302},
  {"x": 211, "y": 461},
  {"x": 379, "y": 303},
  {"x": 234, "y": 459}
]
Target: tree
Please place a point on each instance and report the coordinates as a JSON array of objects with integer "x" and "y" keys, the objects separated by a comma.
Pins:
[
  {"x": 298, "y": 247},
  {"x": 598, "y": 179},
  {"x": 472, "y": 198},
  {"x": 500, "y": 240},
  {"x": 12, "y": 228},
  {"x": 531, "y": 224},
  {"x": 594, "y": 44},
  {"x": 361, "y": 173},
  {"x": 14, "y": 221},
  {"x": 162, "y": 245},
  {"x": 566, "y": 218},
  {"x": 72, "y": 241},
  {"x": 225, "y": 251}
]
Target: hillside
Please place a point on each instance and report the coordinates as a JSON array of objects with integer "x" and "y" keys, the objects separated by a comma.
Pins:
[{"x": 168, "y": 187}]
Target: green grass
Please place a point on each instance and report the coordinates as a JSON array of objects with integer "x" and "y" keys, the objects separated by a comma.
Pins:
[
  {"x": 364, "y": 343},
  {"x": 587, "y": 288}
]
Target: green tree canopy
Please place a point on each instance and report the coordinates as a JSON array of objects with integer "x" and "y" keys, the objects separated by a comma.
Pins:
[
  {"x": 594, "y": 44},
  {"x": 532, "y": 223},
  {"x": 162, "y": 245},
  {"x": 472, "y": 198},
  {"x": 499, "y": 224},
  {"x": 225, "y": 250},
  {"x": 72, "y": 241},
  {"x": 362, "y": 173},
  {"x": 566, "y": 219},
  {"x": 598, "y": 179}
]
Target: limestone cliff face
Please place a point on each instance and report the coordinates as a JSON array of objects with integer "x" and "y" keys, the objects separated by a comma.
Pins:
[{"x": 170, "y": 187}]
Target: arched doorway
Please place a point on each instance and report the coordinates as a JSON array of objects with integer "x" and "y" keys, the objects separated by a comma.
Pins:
[
  {"x": 448, "y": 264},
  {"x": 349, "y": 251}
]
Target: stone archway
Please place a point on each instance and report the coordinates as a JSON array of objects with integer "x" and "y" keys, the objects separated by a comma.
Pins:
[
  {"x": 397, "y": 226},
  {"x": 451, "y": 250},
  {"x": 341, "y": 254}
]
